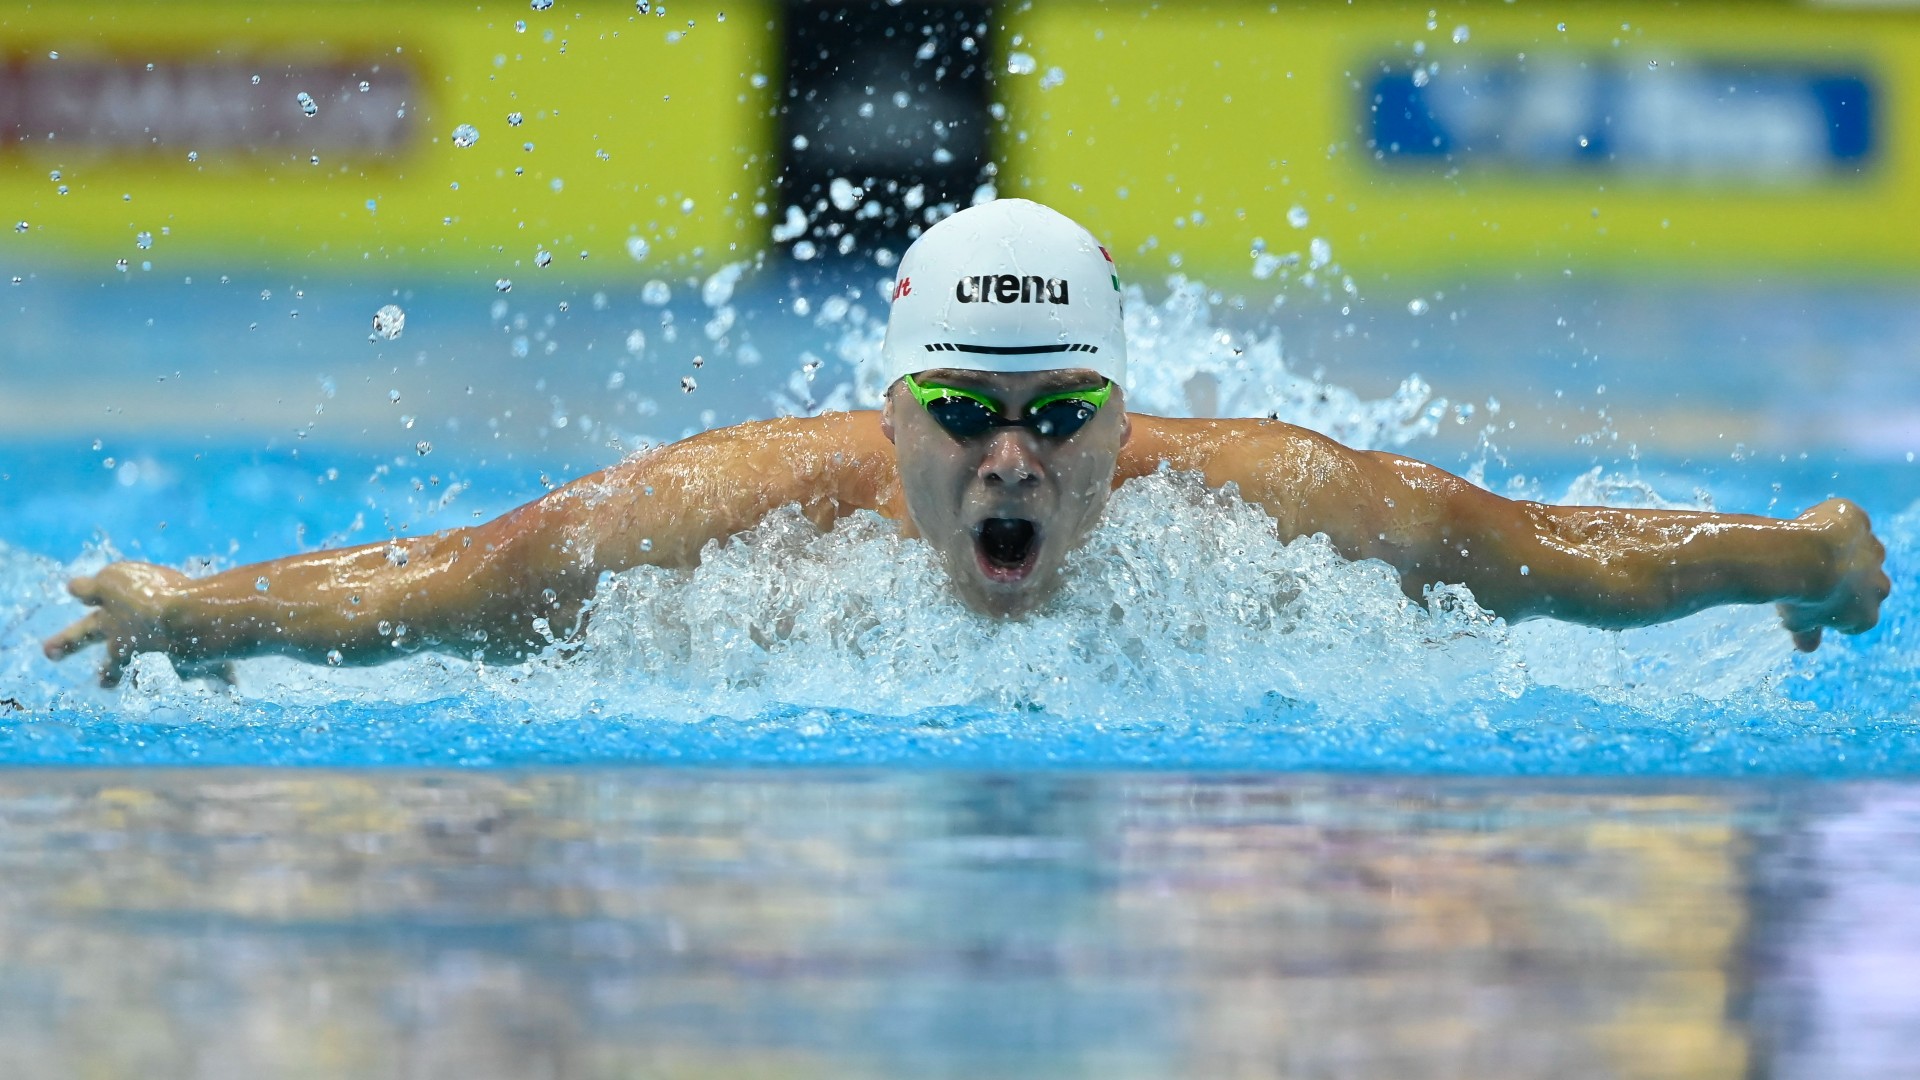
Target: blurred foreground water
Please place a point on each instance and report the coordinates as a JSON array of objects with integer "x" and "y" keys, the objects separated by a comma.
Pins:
[{"x": 219, "y": 923}]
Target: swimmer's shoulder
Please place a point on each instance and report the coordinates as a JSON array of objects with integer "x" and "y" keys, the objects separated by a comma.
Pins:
[
  {"x": 1203, "y": 445},
  {"x": 829, "y": 464}
]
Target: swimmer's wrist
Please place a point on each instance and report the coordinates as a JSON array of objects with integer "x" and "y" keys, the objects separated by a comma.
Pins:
[
  {"x": 1804, "y": 567},
  {"x": 210, "y": 622}
]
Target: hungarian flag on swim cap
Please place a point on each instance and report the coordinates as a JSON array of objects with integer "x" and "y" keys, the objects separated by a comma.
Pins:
[{"x": 1115, "y": 271}]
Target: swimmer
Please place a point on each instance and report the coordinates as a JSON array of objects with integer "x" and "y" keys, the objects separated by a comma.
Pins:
[{"x": 1003, "y": 432}]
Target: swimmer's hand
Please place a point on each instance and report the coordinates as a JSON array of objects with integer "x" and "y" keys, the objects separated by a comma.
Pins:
[
  {"x": 136, "y": 609},
  {"x": 1859, "y": 580}
]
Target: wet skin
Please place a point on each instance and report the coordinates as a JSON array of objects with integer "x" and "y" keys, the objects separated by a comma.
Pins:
[{"x": 489, "y": 590}]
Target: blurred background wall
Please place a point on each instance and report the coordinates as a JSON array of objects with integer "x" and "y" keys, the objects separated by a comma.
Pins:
[{"x": 1704, "y": 210}]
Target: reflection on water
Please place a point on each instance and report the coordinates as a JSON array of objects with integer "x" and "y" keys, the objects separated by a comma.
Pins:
[{"x": 620, "y": 923}]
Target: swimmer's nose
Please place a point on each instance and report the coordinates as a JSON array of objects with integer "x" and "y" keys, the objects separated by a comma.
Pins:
[{"x": 1009, "y": 460}]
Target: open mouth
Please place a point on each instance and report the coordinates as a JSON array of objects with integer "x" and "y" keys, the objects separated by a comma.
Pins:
[{"x": 1006, "y": 548}]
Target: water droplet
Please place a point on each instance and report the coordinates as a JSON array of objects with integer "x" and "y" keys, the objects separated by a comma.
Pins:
[
  {"x": 1652, "y": 65},
  {"x": 543, "y": 258},
  {"x": 384, "y": 627},
  {"x": 638, "y": 248},
  {"x": 193, "y": 155},
  {"x": 1020, "y": 63},
  {"x": 1461, "y": 34},
  {"x": 504, "y": 285},
  {"x": 804, "y": 250},
  {"x": 61, "y": 190},
  {"x": 260, "y": 583},
  {"x": 256, "y": 80},
  {"x": 465, "y": 135},
  {"x": 53, "y": 56},
  {"x": 21, "y": 227},
  {"x": 388, "y": 322},
  {"x": 519, "y": 26},
  {"x": 54, "y": 176},
  {"x": 687, "y": 385},
  {"x": 646, "y": 543},
  {"x": 656, "y": 293},
  {"x": 1562, "y": 27},
  {"x": 365, "y": 86},
  {"x": 1416, "y": 306},
  {"x": 642, "y": 6},
  {"x": 541, "y": 5},
  {"x": 423, "y": 448},
  {"x": 1319, "y": 253},
  {"x": 143, "y": 240},
  {"x": 120, "y": 265},
  {"x": 1297, "y": 217},
  {"x": 686, "y": 206},
  {"x": 308, "y": 106},
  {"x": 514, "y": 119},
  {"x": 527, "y": 146},
  {"x": 334, "y": 658},
  {"x": 800, "y": 142},
  {"x": 1054, "y": 77}
]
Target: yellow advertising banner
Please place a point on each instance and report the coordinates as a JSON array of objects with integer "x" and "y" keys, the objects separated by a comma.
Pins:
[
  {"x": 1633, "y": 137},
  {"x": 456, "y": 135}
]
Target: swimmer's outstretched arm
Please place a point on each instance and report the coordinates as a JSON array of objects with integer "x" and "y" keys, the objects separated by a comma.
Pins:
[
  {"x": 498, "y": 590},
  {"x": 1599, "y": 566}
]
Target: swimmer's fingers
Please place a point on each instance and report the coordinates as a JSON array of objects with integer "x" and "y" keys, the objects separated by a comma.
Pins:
[
  {"x": 86, "y": 589},
  {"x": 219, "y": 671},
  {"x": 119, "y": 655},
  {"x": 78, "y": 635},
  {"x": 1801, "y": 621}
]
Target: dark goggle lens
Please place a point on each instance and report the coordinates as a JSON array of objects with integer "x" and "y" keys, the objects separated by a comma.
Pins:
[
  {"x": 963, "y": 418},
  {"x": 1060, "y": 419}
]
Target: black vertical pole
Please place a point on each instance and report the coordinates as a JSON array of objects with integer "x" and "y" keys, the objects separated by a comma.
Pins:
[{"x": 883, "y": 118}]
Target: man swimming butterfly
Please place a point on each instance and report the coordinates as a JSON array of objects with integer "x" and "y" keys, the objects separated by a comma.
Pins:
[{"x": 1003, "y": 432}]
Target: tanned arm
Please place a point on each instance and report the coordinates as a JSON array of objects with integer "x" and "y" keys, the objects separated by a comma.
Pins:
[
  {"x": 1599, "y": 566},
  {"x": 501, "y": 589}
]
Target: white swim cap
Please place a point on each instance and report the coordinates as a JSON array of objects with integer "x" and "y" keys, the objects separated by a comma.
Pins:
[{"x": 1007, "y": 286}]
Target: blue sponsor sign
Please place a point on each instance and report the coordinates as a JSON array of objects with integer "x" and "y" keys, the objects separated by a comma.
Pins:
[{"x": 1718, "y": 121}]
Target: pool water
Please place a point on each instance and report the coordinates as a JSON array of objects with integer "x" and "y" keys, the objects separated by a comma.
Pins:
[
  {"x": 603, "y": 923},
  {"x": 1229, "y": 806}
]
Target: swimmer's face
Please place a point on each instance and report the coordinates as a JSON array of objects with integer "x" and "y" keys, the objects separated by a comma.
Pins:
[{"x": 1003, "y": 508}]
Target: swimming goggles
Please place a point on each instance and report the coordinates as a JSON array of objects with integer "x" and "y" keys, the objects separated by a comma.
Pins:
[{"x": 967, "y": 415}]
